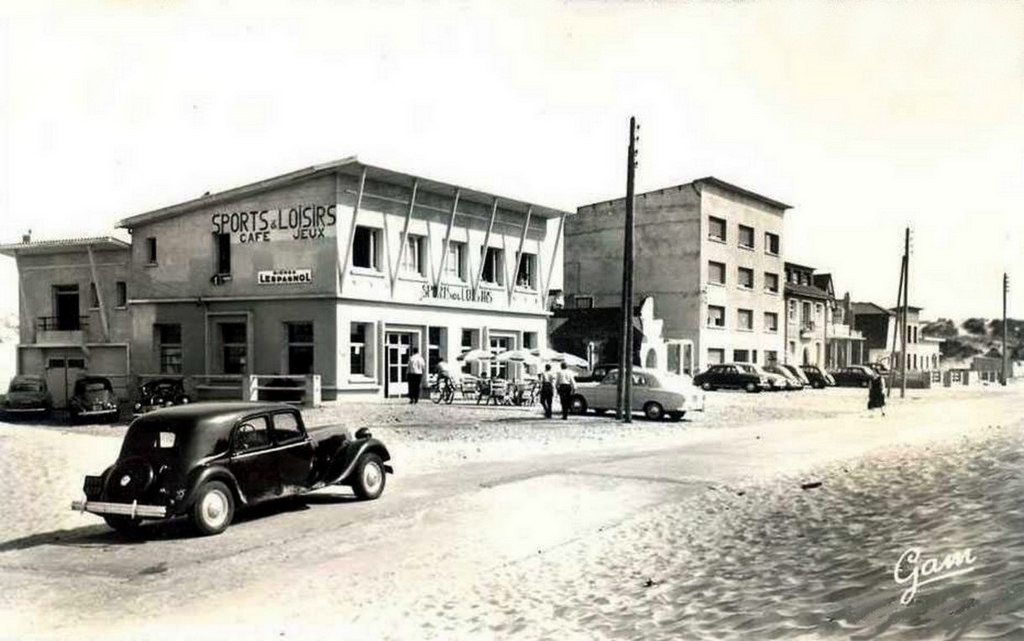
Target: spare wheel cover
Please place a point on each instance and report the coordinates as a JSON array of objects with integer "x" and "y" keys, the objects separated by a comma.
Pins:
[{"x": 129, "y": 479}]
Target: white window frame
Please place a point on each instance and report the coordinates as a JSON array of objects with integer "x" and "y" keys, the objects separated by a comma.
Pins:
[
  {"x": 528, "y": 263},
  {"x": 768, "y": 289},
  {"x": 713, "y": 221},
  {"x": 455, "y": 261},
  {"x": 739, "y": 320},
  {"x": 414, "y": 261},
  {"x": 771, "y": 327},
  {"x": 739, "y": 277},
  {"x": 367, "y": 351},
  {"x": 725, "y": 277},
  {"x": 721, "y": 317},
  {"x": 739, "y": 236},
  {"x": 497, "y": 265},
  {"x": 374, "y": 250}
]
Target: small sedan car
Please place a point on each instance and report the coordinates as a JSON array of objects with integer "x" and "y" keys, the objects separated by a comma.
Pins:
[
  {"x": 656, "y": 393},
  {"x": 27, "y": 395},
  {"x": 93, "y": 400},
  {"x": 792, "y": 382},
  {"x": 854, "y": 376},
  {"x": 797, "y": 372},
  {"x": 730, "y": 375},
  {"x": 203, "y": 461},
  {"x": 819, "y": 378},
  {"x": 160, "y": 392}
]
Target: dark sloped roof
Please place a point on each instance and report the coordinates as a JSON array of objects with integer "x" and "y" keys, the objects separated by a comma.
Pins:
[
  {"x": 864, "y": 309},
  {"x": 592, "y": 323},
  {"x": 707, "y": 180},
  {"x": 808, "y": 291}
]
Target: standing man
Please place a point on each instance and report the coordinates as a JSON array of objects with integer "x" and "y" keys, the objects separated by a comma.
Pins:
[
  {"x": 566, "y": 388},
  {"x": 547, "y": 389},
  {"x": 416, "y": 367}
]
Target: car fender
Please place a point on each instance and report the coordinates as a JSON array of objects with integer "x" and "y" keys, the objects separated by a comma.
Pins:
[
  {"x": 344, "y": 460},
  {"x": 202, "y": 475}
]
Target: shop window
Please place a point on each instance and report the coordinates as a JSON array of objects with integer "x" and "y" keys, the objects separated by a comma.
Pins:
[
  {"x": 168, "y": 344},
  {"x": 745, "y": 318},
  {"x": 234, "y": 347},
  {"x": 716, "y": 273},
  {"x": 223, "y": 253},
  {"x": 771, "y": 283},
  {"x": 151, "y": 250},
  {"x": 746, "y": 239},
  {"x": 741, "y": 355},
  {"x": 527, "y": 275},
  {"x": 746, "y": 277},
  {"x": 366, "y": 248},
  {"x": 771, "y": 322},
  {"x": 122, "y": 294},
  {"x": 455, "y": 261},
  {"x": 716, "y": 228},
  {"x": 771, "y": 243},
  {"x": 716, "y": 316},
  {"x": 414, "y": 258},
  {"x": 716, "y": 356},
  {"x": 300, "y": 348},
  {"x": 360, "y": 349},
  {"x": 494, "y": 266},
  {"x": 435, "y": 346}
]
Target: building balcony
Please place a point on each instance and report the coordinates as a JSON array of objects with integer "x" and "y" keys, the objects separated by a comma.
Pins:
[
  {"x": 56, "y": 330},
  {"x": 807, "y": 329}
]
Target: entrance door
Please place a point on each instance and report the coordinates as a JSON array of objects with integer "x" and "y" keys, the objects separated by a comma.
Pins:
[
  {"x": 61, "y": 373},
  {"x": 65, "y": 307},
  {"x": 397, "y": 346}
]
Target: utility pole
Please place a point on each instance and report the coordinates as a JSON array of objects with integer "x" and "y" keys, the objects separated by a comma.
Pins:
[
  {"x": 623, "y": 409},
  {"x": 896, "y": 325},
  {"x": 1006, "y": 355},
  {"x": 906, "y": 310}
]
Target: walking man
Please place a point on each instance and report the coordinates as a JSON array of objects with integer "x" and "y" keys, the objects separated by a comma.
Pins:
[
  {"x": 547, "y": 389},
  {"x": 416, "y": 367},
  {"x": 566, "y": 381}
]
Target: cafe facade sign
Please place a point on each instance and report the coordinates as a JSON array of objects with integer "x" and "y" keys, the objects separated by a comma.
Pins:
[
  {"x": 456, "y": 293},
  {"x": 302, "y": 222}
]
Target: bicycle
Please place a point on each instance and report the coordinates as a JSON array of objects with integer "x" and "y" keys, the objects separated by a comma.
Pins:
[{"x": 443, "y": 390}]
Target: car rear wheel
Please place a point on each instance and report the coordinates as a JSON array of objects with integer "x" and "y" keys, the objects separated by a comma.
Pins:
[
  {"x": 654, "y": 411},
  {"x": 213, "y": 509},
  {"x": 369, "y": 477},
  {"x": 707, "y": 387},
  {"x": 750, "y": 387},
  {"x": 578, "y": 405}
]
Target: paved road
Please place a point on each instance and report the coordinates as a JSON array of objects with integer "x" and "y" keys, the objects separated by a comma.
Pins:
[{"x": 328, "y": 561}]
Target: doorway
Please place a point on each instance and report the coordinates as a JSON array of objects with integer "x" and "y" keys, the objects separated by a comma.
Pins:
[
  {"x": 397, "y": 347},
  {"x": 65, "y": 307},
  {"x": 61, "y": 373}
]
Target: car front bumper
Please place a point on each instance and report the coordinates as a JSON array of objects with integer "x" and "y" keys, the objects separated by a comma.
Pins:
[
  {"x": 133, "y": 510},
  {"x": 100, "y": 412},
  {"x": 25, "y": 410}
]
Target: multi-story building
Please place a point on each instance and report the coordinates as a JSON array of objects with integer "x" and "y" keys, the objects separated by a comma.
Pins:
[
  {"x": 808, "y": 309},
  {"x": 883, "y": 341},
  {"x": 73, "y": 310},
  {"x": 708, "y": 252},
  {"x": 845, "y": 344}
]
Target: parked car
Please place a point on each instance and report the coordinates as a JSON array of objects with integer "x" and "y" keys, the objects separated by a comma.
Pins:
[
  {"x": 205, "y": 460},
  {"x": 93, "y": 400},
  {"x": 160, "y": 392},
  {"x": 598, "y": 373},
  {"x": 730, "y": 376},
  {"x": 776, "y": 383},
  {"x": 27, "y": 395},
  {"x": 793, "y": 382},
  {"x": 797, "y": 372},
  {"x": 854, "y": 376},
  {"x": 656, "y": 393},
  {"x": 880, "y": 368},
  {"x": 817, "y": 376}
]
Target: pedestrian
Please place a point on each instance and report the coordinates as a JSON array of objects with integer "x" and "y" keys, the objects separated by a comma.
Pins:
[
  {"x": 547, "y": 389},
  {"x": 876, "y": 394},
  {"x": 566, "y": 381},
  {"x": 415, "y": 375}
]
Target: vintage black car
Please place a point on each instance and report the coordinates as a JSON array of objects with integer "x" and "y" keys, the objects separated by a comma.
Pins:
[
  {"x": 26, "y": 395},
  {"x": 205, "y": 460},
  {"x": 93, "y": 400},
  {"x": 731, "y": 375},
  {"x": 854, "y": 376},
  {"x": 819, "y": 379},
  {"x": 160, "y": 392}
]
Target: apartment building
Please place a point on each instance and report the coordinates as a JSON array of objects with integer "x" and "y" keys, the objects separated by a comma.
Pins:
[
  {"x": 808, "y": 309},
  {"x": 708, "y": 252},
  {"x": 883, "y": 342}
]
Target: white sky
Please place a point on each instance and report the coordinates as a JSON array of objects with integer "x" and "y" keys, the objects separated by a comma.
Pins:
[{"x": 866, "y": 116}]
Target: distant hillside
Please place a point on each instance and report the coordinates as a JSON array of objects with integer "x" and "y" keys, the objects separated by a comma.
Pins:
[
  {"x": 976, "y": 336},
  {"x": 9, "y": 328}
]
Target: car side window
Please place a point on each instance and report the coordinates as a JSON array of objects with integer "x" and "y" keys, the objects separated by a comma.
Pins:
[
  {"x": 252, "y": 434},
  {"x": 612, "y": 377},
  {"x": 286, "y": 428}
]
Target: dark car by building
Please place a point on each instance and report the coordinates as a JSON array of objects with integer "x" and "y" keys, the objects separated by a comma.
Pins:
[
  {"x": 204, "y": 460},
  {"x": 854, "y": 376},
  {"x": 817, "y": 377},
  {"x": 27, "y": 395},
  {"x": 730, "y": 376},
  {"x": 93, "y": 400},
  {"x": 160, "y": 392}
]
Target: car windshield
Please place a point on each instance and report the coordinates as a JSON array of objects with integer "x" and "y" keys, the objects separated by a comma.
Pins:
[
  {"x": 26, "y": 386},
  {"x": 96, "y": 386}
]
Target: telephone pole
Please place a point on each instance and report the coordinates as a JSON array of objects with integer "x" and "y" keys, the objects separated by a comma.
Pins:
[
  {"x": 623, "y": 408},
  {"x": 906, "y": 310},
  {"x": 896, "y": 326},
  {"x": 1006, "y": 355}
]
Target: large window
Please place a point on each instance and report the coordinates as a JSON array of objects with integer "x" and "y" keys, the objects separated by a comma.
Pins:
[
  {"x": 122, "y": 294},
  {"x": 455, "y": 261},
  {"x": 716, "y": 228},
  {"x": 527, "y": 275},
  {"x": 151, "y": 250},
  {"x": 233, "y": 347},
  {"x": 300, "y": 348},
  {"x": 771, "y": 243},
  {"x": 745, "y": 318},
  {"x": 366, "y": 248},
  {"x": 494, "y": 266},
  {"x": 746, "y": 237},
  {"x": 223, "y": 253},
  {"x": 716, "y": 316},
  {"x": 746, "y": 277},
  {"x": 414, "y": 260},
  {"x": 771, "y": 282},
  {"x": 771, "y": 322},
  {"x": 715, "y": 355},
  {"x": 360, "y": 349},
  {"x": 499, "y": 344},
  {"x": 716, "y": 273},
  {"x": 436, "y": 339},
  {"x": 168, "y": 346},
  {"x": 741, "y": 355}
]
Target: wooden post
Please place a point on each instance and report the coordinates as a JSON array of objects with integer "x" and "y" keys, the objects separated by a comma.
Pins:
[
  {"x": 1006, "y": 355},
  {"x": 625, "y": 408},
  {"x": 343, "y": 266},
  {"x": 99, "y": 295},
  {"x": 895, "y": 329},
  {"x": 906, "y": 310}
]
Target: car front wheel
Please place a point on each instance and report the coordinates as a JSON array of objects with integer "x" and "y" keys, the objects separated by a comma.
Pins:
[
  {"x": 578, "y": 405},
  {"x": 654, "y": 411},
  {"x": 751, "y": 387},
  {"x": 707, "y": 386},
  {"x": 368, "y": 482},
  {"x": 214, "y": 508}
]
